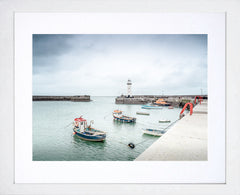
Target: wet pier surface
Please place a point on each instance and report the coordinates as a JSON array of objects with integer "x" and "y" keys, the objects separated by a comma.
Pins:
[{"x": 185, "y": 141}]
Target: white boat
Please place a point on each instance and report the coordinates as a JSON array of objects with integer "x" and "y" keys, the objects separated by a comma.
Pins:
[
  {"x": 151, "y": 107},
  {"x": 154, "y": 132},
  {"x": 143, "y": 113},
  {"x": 164, "y": 121}
]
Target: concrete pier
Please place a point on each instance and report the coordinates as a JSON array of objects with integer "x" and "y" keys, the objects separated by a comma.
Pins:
[
  {"x": 184, "y": 141},
  {"x": 77, "y": 98}
]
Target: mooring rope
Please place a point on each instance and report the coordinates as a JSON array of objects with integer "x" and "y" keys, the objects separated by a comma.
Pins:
[
  {"x": 107, "y": 115},
  {"x": 152, "y": 124},
  {"x": 171, "y": 124},
  {"x": 68, "y": 125},
  {"x": 132, "y": 145},
  {"x": 154, "y": 135}
]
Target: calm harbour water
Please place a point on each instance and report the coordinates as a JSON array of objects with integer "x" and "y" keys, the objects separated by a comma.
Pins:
[{"x": 53, "y": 138}]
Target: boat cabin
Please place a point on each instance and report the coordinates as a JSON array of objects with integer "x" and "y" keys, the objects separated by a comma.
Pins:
[
  {"x": 117, "y": 112},
  {"x": 80, "y": 123}
]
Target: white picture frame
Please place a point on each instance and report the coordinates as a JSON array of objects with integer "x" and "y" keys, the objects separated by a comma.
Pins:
[{"x": 211, "y": 171}]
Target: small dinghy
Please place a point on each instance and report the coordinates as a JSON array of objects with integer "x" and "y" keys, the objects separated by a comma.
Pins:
[
  {"x": 154, "y": 132},
  {"x": 164, "y": 121},
  {"x": 142, "y": 113},
  {"x": 86, "y": 132},
  {"x": 118, "y": 116},
  {"x": 170, "y": 107}
]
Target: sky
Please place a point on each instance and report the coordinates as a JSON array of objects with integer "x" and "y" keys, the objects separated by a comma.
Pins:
[{"x": 100, "y": 65}]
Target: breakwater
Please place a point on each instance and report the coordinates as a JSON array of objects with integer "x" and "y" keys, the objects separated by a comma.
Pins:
[
  {"x": 77, "y": 98},
  {"x": 174, "y": 100}
]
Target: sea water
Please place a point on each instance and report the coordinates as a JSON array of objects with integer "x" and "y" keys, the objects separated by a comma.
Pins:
[{"x": 53, "y": 138}]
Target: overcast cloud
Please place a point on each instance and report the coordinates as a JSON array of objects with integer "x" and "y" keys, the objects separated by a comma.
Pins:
[{"x": 102, "y": 64}]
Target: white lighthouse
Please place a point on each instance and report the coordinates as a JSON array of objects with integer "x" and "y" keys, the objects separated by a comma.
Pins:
[{"x": 129, "y": 88}]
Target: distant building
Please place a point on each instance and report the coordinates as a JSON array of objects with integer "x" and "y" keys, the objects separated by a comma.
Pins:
[{"x": 129, "y": 88}]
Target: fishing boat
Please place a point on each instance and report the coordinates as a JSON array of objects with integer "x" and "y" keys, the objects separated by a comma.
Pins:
[
  {"x": 118, "y": 116},
  {"x": 154, "y": 132},
  {"x": 151, "y": 107},
  {"x": 86, "y": 132},
  {"x": 164, "y": 121},
  {"x": 143, "y": 113}
]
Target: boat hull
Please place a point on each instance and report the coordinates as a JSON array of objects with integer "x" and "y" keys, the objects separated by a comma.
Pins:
[
  {"x": 153, "y": 132},
  {"x": 167, "y": 121},
  {"x": 151, "y": 107},
  {"x": 124, "y": 120},
  {"x": 142, "y": 113},
  {"x": 90, "y": 136},
  {"x": 162, "y": 104}
]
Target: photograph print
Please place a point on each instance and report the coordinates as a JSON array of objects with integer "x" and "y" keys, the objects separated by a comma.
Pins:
[{"x": 119, "y": 97}]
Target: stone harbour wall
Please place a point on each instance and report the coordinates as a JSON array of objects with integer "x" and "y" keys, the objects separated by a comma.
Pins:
[
  {"x": 83, "y": 98},
  {"x": 176, "y": 100}
]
